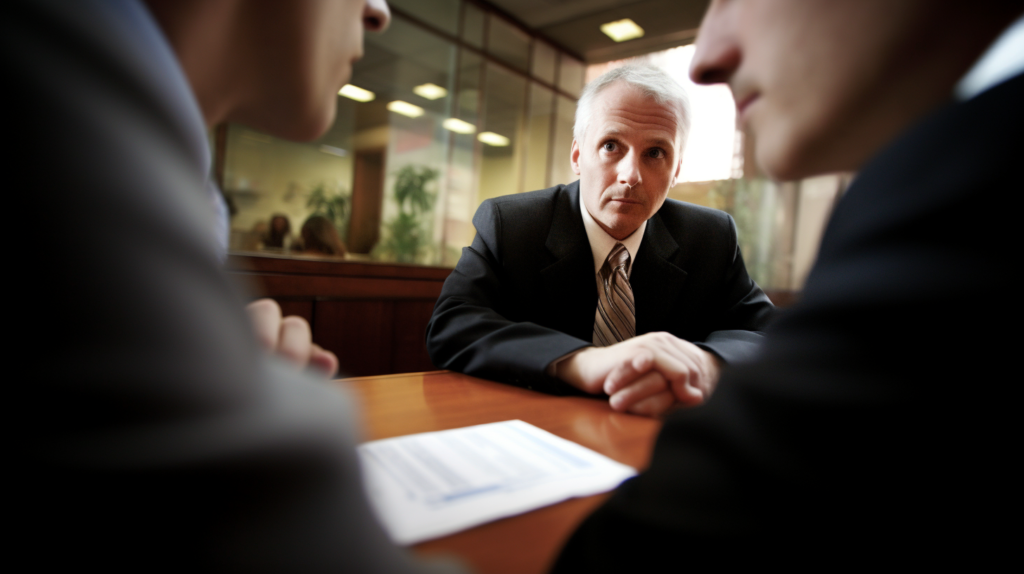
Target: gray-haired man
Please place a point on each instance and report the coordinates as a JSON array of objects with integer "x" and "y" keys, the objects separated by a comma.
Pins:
[{"x": 583, "y": 285}]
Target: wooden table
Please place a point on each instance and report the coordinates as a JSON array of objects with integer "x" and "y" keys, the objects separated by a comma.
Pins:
[{"x": 395, "y": 405}]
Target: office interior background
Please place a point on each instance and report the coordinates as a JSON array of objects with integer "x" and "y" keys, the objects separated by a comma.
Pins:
[{"x": 459, "y": 101}]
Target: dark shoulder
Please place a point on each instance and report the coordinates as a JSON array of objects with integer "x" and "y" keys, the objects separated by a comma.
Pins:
[
  {"x": 687, "y": 219},
  {"x": 529, "y": 202},
  {"x": 523, "y": 211}
]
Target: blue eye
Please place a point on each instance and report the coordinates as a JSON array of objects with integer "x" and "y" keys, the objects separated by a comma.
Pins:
[{"x": 608, "y": 146}]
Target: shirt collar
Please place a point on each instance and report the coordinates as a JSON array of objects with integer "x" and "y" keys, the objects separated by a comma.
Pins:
[
  {"x": 1003, "y": 60},
  {"x": 601, "y": 243}
]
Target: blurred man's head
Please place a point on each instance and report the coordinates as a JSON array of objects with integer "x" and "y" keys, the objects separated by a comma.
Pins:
[
  {"x": 276, "y": 66},
  {"x": 631, "y": 126},
  {"x": 823, "y": 85}
]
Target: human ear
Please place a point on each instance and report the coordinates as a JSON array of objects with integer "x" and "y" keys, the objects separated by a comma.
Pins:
[{"x": 574, "y": 157}]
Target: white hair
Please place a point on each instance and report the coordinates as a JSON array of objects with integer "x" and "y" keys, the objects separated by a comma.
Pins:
[{"x": 651, "y": 81}]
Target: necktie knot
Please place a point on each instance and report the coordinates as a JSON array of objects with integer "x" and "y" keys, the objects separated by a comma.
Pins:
[{"x": 619, "y": 257}]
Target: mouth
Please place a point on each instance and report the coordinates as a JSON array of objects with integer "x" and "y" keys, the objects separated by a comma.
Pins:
[{"x": 624, "y": 201}]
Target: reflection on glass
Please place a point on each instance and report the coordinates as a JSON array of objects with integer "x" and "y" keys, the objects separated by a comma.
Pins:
[
  {"x": 504, "y": 108},
  {"x": 543, "y": 65},
  {"x": 442, "y": 14},
  {"x": 561, "y": 169},
  {"x": 461, "y": 201},
  {"x": 570, "y": 75},
  {"x": 538, "y": 137},
  {"x": 424, "y": 133},
  {"x": 267, "y": 178},
  {"x": 508, "y": 43}
]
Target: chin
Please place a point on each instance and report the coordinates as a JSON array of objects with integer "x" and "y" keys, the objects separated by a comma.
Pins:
[
  {"x": 300, "y": 123},
  {"x": 786, "y": 162}
]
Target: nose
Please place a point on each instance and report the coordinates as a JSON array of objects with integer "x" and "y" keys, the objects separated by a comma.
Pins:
[
  {"x": 376, "y": 15},
  {"x": 629, "y": 170},
  {"x": 718, "y": 54}
]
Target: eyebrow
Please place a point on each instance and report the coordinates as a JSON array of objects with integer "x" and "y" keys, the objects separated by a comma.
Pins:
[{"x": 650, "y": 141}]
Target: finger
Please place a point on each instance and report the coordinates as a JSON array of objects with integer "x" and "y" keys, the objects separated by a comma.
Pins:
[
  {"x": 687, "y": 395},
  {"x": 654, "y": 405},
  {"x": 645, "y": 386},
  {"x": 265, "y": 315},
  {"x": 625, "y": 373},
  {"x": 323, "y": 360},
  {"x": 296, "y": 340}
]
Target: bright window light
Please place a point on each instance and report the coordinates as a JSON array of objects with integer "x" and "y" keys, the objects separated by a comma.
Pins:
[
  {"x": 405, "y": 108},
  {"x": 622, "y": 30},
  {"x": 430, "y": 91},
  {"x": 356, "y": 93},
  {"x": 458, "y": 126},
  {"x": 491, "y": 138}
]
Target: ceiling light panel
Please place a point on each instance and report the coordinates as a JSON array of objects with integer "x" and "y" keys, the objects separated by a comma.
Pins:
[
  {"x": 356, "y": 93},
  {"x": 622, "y": 30},
  {"x": 458, "y": 126},
  {"x": 430, "y": 91},
  {"x": 405, "y": 108},
  {"x": 491, "y": 138}
]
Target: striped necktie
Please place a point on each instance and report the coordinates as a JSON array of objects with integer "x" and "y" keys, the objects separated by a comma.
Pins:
[{"x": 616, "y": 316}]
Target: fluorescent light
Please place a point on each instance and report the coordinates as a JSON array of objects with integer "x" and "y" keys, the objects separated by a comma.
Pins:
[
  {"x": 458, "y": 126},
  {"x": 333, "y": 150},
  {"x": 622, "y": 30},
  {"x": 430, "y": 91},
  {"x": 356, "y": 93},
  {"x": 405, "y": 108},
  {"x": 491, "y": 138}
]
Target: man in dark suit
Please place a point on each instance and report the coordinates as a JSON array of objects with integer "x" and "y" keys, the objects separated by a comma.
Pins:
[
  {"x": 530, "y": 296},
  {"x": 157, "y": 436},
  {"x": 877, "y": 423}
]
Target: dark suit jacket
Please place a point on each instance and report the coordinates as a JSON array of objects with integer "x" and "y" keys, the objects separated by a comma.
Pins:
[
  {"x": 524, "y": 293},
  {"x": 879, "y": 418},
  {"x": 152, "y": 433}
]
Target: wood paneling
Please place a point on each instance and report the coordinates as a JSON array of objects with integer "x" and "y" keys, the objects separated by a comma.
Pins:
[{"x": 372, "y": 316}]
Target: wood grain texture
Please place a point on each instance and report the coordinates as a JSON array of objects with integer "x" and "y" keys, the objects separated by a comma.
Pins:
[{"x": 398, "y": 405}]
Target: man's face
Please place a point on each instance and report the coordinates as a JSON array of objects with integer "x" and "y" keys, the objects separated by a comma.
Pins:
[
  {"x": 822, "y": 85},
  {"x": 301, "y": 53},
  {"x": 629, "y": 158}
]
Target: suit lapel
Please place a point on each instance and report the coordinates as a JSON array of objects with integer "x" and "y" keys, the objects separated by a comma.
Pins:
[
  {"x": 569, "y": 281},
  {"x": 657, "y": 277}
]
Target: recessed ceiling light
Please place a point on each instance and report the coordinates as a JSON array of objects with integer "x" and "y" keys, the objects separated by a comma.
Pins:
[
  {"x": 622, "y": 30},
  {"x": 430, "y": 91},
  {"x": 458, "y": 126},
  {"x": 356, "y": 93},
  {"x": 405, "y": 108},
  {"x": 491, "y": 138}
]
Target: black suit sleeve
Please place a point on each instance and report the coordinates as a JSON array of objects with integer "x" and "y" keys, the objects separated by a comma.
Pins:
[
  {"x": 470, "y": 331},
  {"x": 743, "y": 314}
]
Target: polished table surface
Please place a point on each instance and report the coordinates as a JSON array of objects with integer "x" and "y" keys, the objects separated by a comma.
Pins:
[{"x": 395, "y": 405}]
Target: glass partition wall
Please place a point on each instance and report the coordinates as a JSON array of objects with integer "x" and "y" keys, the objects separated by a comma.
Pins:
[{"x": 452, "y": 105}]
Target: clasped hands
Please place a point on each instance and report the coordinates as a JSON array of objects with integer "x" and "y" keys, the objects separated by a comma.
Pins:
[
  {"x": 645, "y": 375},
  {"x": 289, "y": 337}
]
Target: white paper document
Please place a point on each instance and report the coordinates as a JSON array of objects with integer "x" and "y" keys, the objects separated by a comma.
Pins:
[{"x": 427, "y": 485}]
